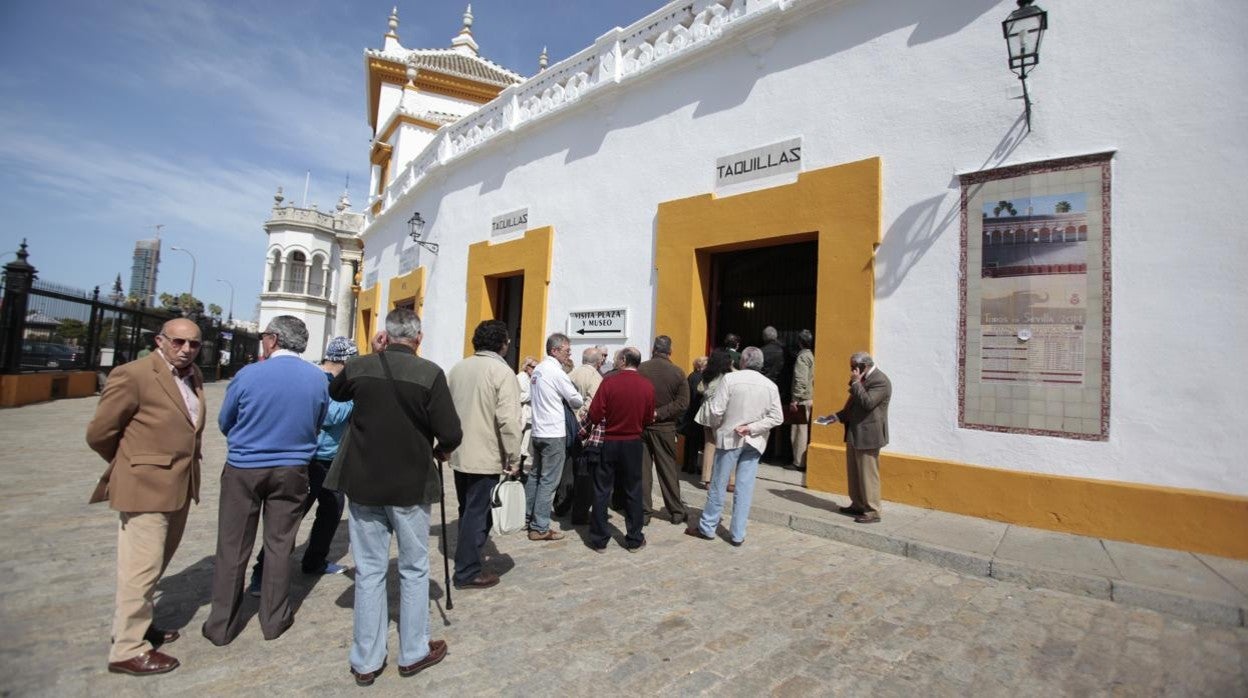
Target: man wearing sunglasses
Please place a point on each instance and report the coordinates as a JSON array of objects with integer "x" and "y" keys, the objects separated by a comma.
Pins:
[{"x": 148, "y": 426}]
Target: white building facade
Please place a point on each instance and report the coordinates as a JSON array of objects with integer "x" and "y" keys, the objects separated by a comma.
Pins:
[
  {"x": 310, "y": 267},
  {"x": 1086, "y": 386}
]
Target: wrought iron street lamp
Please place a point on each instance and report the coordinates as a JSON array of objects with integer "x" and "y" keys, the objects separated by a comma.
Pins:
[
  {"x": 1023, "y": 30},
  {"x": 416, "y": 225}
]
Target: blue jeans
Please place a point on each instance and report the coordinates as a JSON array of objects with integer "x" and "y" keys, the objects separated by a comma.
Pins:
[
  {"x": 544, "y": 475},
  {"x": 745, "y": 460},
  {"x": 371, "y": 529}
]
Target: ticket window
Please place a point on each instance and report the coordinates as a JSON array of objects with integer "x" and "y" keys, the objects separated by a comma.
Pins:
[{"x": 507, "y": 301}]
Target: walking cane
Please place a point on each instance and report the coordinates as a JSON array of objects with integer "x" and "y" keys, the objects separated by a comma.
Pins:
[{"x": 446, "y": 562}]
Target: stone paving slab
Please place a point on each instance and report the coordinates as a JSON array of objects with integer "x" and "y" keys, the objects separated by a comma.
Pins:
[
  {"x": 1235, "y": 572},
  {"x": 971, "y": 535},
  {"x": 1171, "y": 569},
  {"x": 1164, "y": 580},
  {"x": 786, "y": 614},
  {"x": 1057, "y": 551}
]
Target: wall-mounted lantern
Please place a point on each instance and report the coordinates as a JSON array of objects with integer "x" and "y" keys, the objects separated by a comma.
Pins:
[
  {"x": 417, "y": 226},
  {"x": 1023, "y": 30}
]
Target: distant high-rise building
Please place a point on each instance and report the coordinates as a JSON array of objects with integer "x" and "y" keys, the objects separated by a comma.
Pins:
[{"x": 143, "y": 272}]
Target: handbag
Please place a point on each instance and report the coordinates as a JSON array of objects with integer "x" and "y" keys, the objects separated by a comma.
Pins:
[{"x": 507, "y": 506}]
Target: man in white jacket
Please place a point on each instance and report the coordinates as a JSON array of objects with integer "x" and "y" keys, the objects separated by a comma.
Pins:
[
  {"x": 744, "y": 410},
  {"x": 550, "y": 390}
]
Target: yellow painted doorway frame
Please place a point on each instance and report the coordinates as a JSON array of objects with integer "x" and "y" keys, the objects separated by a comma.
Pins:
[
  {"x": 488, "y": 262},
  {"x": 839, "y": 207}
]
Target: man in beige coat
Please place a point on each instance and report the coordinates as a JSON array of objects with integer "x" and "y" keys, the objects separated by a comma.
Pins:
[
  {"x": 148, "y": 426},
  {"x": 487, "y": 399}
]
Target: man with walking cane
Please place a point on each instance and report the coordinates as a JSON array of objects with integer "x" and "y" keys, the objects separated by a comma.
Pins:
[{"x": 403, "y": 420}]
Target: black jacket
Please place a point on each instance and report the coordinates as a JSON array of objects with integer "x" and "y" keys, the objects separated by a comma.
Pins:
[{"x": 388, "y": 458}]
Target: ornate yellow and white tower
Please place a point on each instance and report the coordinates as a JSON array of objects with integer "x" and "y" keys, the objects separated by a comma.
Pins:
[{"x": 413, "y": 92}]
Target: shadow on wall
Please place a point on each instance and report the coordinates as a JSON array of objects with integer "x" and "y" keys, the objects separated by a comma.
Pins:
[
  {"x": 918, "y": 227},
  {"x": 849, "y": 27}
]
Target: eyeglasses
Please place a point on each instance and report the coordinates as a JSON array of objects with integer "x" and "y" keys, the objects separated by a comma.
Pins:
[
  {"x": 180, "y": 342},
  {"x": 268, "y": 334}
]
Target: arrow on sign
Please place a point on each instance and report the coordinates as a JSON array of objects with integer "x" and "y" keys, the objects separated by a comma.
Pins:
[{"x": 585, "y": 331}]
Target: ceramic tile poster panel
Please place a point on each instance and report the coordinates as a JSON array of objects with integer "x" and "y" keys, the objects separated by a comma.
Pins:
[{"x": 1036, "y": 299}]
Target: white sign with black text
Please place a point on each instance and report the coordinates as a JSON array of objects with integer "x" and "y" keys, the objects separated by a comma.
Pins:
[
  {"x": 514, "y": 222},
  {"x": 611, "y": 323},
  {"x": 768, "y": 161}
]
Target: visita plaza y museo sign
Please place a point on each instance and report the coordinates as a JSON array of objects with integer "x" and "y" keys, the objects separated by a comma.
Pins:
[{"x": 611, "y": 323}]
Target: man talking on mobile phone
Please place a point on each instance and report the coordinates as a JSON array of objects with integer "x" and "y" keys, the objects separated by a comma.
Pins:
[{"x": 865, "y": 416}]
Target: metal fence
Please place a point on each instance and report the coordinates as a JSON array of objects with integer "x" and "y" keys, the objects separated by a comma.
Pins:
[{"x": 52, "y": 327}]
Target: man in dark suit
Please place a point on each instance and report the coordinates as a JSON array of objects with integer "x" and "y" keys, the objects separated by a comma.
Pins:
[
  {"x": 865, "y": 416},
  {"x": 148, "y": 426}
]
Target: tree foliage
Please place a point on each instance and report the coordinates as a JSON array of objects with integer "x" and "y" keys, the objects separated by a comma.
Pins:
[{"x": 184, "y": 303}]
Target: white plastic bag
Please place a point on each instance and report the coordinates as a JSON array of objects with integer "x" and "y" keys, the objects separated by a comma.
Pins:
[{"x": 507, "y": 506}]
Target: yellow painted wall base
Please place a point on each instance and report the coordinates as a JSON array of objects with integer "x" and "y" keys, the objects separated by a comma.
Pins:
[
  {"x": 29, "y": 388},
  {"x": 1192, "y": 520}
]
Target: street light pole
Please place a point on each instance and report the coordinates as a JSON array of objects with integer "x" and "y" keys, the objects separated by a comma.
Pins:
[
  {"x": 231, "y": 317},
  {"x": 183, "y": 249}
]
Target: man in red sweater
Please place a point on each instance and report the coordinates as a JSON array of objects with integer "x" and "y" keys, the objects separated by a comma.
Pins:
[{"x": 626, "y": 401}]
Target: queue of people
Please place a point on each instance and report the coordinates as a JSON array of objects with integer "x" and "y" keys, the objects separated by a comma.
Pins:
[{"x": 370, "y": 432}]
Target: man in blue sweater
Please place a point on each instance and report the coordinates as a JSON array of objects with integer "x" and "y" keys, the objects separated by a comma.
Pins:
[
  {"x": 271, "y": 416},
  {"x": 329, "y": 504}
]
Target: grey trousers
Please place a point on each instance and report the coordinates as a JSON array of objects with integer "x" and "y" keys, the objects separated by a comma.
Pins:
[{"x": 246, "y": 493}]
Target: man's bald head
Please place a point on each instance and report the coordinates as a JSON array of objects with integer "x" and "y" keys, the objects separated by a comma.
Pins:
[{"x": 179, "y": 342}]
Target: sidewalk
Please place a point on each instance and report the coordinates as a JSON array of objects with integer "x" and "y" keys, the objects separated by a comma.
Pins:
[{"x": 1197, "y": 587}]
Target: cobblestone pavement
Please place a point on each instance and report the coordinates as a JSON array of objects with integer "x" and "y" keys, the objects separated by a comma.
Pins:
[{"x": 786, "y": 614}]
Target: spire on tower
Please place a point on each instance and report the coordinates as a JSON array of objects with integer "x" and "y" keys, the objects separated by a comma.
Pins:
[
  {"x": 543, "y": 60},
  {"x": 463, "y": 42},
  {"x": 391, "y": 39},
  {"x": 393, "y": 23}
]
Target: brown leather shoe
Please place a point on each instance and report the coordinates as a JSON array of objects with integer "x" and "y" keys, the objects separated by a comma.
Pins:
[
  {"x": 368, "y": 678},
  {"x": 867, "y": 518},
  {"x": 851, "y": 511},
  {"x": 150, "y": 662},
  {"x": 437, "y": 652},
  {"x": 697, "y": 533},
  {"x": 550, "y": 534},
  {"x": 485, "y": 580}
]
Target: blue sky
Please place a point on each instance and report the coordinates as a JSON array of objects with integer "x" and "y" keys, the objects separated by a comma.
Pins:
[{"x": 117, "y": 116}]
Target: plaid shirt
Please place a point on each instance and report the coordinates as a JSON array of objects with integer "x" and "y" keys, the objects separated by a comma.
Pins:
[{"x": 591, "y": 436}]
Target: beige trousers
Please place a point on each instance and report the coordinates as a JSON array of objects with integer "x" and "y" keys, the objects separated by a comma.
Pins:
[
  {"x": 145, "y": 543},
  {"x": 799, "y": 437},
  {"x": 862, "y": 468},
  {"x": 708, "y": 457}
]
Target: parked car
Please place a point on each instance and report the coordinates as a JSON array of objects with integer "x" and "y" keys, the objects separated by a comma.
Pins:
[{"x": 50, "y": 355}]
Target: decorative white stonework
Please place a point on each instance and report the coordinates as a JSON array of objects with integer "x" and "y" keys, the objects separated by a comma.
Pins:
[{"x": 618, "y": 57}]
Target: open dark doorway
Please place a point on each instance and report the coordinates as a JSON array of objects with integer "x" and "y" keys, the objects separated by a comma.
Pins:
[
  {"x": 751, "y": 289},
  {"x": 507, "y": 295}
]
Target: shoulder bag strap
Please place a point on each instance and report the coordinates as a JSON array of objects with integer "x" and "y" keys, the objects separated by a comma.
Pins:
[{"x": 407, "y": 409}]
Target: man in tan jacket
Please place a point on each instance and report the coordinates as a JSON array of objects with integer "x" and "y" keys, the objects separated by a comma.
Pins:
[
  {"x": 148, "y": 426},
  {"x": 487, "y": 399}
]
